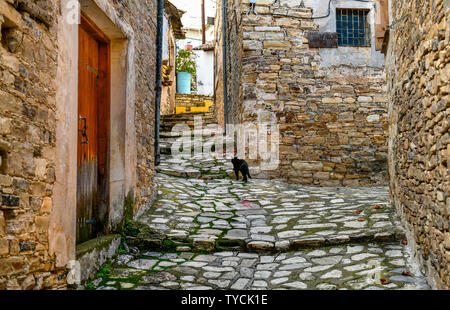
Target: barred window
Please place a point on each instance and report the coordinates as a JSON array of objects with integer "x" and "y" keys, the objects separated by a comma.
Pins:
[{"x": 353, "y": 27}]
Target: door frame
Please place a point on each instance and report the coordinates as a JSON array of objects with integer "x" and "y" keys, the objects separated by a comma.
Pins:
[
  {"x": 123, "y": 131},
  {"x": 100, "y": 211}
]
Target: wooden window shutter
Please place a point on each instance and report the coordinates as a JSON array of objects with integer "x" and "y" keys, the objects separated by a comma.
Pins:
[{"x": 381, "y": 22}]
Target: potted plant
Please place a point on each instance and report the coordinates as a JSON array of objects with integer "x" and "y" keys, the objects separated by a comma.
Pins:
[{"x": 186, "y": 70}]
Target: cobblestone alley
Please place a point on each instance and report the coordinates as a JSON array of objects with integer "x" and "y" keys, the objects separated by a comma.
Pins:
[{"x": 224, "y": 234}]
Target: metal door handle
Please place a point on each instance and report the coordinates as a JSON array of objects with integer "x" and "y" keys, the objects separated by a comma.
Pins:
[{"x": 84, "y": 139}]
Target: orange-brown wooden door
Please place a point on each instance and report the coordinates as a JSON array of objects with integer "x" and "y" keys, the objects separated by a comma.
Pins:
[{"x": 93, "y": 134}]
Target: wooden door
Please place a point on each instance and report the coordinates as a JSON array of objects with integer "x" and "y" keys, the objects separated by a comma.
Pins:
[{"x": 93, "y": 131}]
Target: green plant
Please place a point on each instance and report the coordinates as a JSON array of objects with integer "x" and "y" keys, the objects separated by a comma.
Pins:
[
  {"x": 130, "y": 229},
  {"x": 185, "y": 62},
  {"x": 104, "y": 270}
]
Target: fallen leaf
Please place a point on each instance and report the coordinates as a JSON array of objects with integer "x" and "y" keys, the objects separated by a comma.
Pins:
[
  {"x": 385, "y": 281},
  {"x": 246, "y": 203},
  {"x": 357, "y": 212},
  {"x": 204, "y": 178},
  {"x": 361, "y": 220},
  {"x": 405, "y": 241},
  {"x": 377, "y": 207},
  {"x": 406, "y": 273}
]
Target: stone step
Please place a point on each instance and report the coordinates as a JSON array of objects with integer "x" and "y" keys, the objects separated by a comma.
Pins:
[
  {"x": 166, "y": 147},
  {"x": 182, "y": 120},
  {"x": 187, "y": 115},
  {"x": 187, "y": 122},
  {"x": 170, "y": 120},
  {"x": 167, "y": 132},
  {"x": 168, "y": 127}
]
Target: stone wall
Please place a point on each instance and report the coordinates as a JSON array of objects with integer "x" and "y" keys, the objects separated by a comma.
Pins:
[
  {"x": 169, "y": 79},
  {"x": 37, "y": 220},
  {"x": 233, "y": 32},
  {"x": 142, "y": 16},
  {"x": 27, "y": 144},
  {"x": 333, "y": 118},
  {"x": 418, "y": 85},
  {"x": 218, "y": 65}
]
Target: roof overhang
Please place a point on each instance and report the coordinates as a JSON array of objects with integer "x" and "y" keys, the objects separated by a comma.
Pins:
[
  {"x": 209, "y": 46},
  {"x": 175, "y": 15}
]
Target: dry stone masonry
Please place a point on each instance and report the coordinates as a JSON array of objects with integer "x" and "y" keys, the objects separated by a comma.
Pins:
[
  {"x": 31, "y": 50},
  {"x": 418, "y": 77},
  {"x": 229, "y": 114},
  {"x": 142, "y": 17},
  {"x": 201, "y": 229},
  {"x": 27, "y": 144},
  {"x": 333, "y": 119},
  {"x": 193, "y": 103}
]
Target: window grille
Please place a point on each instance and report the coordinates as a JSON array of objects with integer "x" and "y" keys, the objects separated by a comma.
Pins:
[{"x": 353, "y": 27}]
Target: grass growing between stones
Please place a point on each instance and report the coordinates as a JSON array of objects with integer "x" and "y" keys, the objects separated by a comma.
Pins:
[
  {"x": 192, "y": 205},
  {"x": 347, "y": 271}
]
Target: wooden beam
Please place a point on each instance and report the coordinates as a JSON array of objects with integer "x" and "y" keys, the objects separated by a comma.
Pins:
[{"x": 381, "y": 22}]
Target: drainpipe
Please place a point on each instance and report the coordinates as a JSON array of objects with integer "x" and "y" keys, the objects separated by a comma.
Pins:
[
  {"x": 224, "y": 52},
  {"x": 159, "y": 43}
]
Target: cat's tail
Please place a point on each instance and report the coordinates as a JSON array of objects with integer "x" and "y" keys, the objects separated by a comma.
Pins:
[{"x": 248, "y": 173}]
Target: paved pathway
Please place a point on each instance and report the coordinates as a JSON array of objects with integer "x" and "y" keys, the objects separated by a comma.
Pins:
[
  {"x": 269, "y": 215},
  {"x": 225, "y": 234},
  {"x": 359, "y": 266}
]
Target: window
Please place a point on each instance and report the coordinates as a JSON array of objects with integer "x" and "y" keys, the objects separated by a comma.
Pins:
[{"x": 353, "y": 27}]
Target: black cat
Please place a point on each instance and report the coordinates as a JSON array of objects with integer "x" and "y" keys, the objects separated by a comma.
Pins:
[{"x": 242, "y": 166}]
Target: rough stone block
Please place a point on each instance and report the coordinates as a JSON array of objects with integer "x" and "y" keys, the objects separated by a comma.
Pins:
[
  {"x": 308, "y": 166},
  {"x": 11, "y": 265},
  {"x": 4, "y": 246},
  {"x": 12, "y": 18},
  {"x": 41, "y": 223},
  {"x": 10, "y": 201}
]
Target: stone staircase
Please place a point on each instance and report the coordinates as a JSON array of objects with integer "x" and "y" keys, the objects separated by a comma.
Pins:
[
  {"x": 199, "y": 165},
  {"x": 170, "y": 120}
]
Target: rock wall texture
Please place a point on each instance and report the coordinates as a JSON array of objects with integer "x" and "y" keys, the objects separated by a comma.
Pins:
[
  {"x": 193, "y": 101},
  {"x": 218, "y": 66},
  {"x": 142, "y": 17},
  {"x": 234, "y": 46},
  {"x": 28, "y": 84},
  {"x": 333, "y": 119},
  {"x": 418, "y": 84}
]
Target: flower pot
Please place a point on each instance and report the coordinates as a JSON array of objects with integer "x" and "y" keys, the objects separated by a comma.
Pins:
[{"x": 184, "y": 83}]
